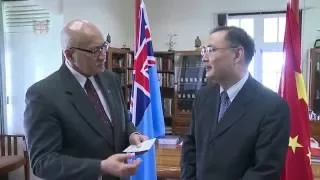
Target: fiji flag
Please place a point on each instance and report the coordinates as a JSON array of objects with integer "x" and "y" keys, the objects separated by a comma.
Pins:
[{"x": 146, "y": 106}]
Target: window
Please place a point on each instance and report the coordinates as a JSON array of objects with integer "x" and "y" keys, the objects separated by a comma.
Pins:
[
  {"x": 267, "y": 30},
  {"x": 2, "y": 92},
  {"x": 272, "y": 63}
]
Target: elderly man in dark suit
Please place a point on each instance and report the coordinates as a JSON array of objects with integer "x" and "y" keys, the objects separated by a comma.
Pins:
[
  {"x": 239, "y": 128},
  {"x": 76, "y": 120}
]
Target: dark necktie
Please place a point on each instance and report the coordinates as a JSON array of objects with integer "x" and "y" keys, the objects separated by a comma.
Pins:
[
  {"x": 94, "y": 98},
  {"x": 224, "y": 104}
]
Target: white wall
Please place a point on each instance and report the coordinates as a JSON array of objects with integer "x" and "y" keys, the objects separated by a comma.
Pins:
[
  {"x": 189, "y": 18},
  {"x": 29, "y": 57},
  {"x": 112, "y": 16},
  {"x": 197, "y": 18}
]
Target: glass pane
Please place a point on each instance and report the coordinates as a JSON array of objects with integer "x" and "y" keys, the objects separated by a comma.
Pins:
[
  {"x": 272, "y": 63},
  {"x": 247, "y": 24},
  {"x": 251, "y": 67},
  {"x": 270, "y": 29},
  {"x": 233, "y": 22},
  {"x": 190, "y": 77},
  {"x": 281, "y": 30}
]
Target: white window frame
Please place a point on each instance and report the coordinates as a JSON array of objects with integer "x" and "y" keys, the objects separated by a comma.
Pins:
[{"x": 260, "y": 45}]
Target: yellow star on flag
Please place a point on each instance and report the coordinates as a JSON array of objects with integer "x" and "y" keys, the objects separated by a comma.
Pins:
[
  {"x": 301, "y": 90},
  {"x": 293, "y": 143},
  {"x": 309, "y": 155}
]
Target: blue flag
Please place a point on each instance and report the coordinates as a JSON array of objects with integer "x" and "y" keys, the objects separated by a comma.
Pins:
[{"x": 146, "y": 106}]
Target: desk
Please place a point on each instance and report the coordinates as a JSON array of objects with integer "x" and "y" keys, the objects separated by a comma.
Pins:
[
  {"x": 316, "y": 171},
  {"x": 168, "y": 163}
]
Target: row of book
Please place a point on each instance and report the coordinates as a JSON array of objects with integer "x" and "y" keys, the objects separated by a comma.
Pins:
[
  {"x": 166, "y": 80},
  {"x": 185, "y": 105},
  {"x": 188, "y": 79},
  {"x": 165, "y": 63},
  {"x": 167, "y": 107},
  {"x": 121, "y": 60}
]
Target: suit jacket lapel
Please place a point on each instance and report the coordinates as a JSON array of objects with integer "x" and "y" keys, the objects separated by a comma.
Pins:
[
  {"x": 109, "y": 91},
  {"x": 237, "y": 108},
  {"x": 211, "y": 113},
  {"x": 80, "y": 102}
]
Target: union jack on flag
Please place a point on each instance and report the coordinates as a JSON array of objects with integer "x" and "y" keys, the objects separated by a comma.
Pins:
[{"x": 146, "y": 107}]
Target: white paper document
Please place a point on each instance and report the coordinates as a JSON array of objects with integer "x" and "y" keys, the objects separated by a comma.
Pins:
[{"x": 144, "y": 146}]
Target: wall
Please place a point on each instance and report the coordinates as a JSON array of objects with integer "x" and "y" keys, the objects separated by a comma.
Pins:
[
  {"x": 197, "y": 18},
  {"x": 194, "y": 18},
  {"x": 111, "y": 16},
  {"x": 29, "y": 57}
]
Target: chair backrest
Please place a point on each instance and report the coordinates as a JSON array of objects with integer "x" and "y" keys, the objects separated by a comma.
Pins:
[{"x": 12, "y": 145}]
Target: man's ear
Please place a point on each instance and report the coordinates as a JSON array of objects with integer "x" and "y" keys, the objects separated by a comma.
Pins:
[
  {"x": 68, "y": 54},
  {"x": 238, "y": 54}
]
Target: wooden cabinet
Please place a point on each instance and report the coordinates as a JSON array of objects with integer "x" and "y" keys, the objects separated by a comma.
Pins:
[
  {"x": 314, "y": 92},
  {"x": 314, "y": 80},
  {"x": 120, "y": 62},
  {"x": 180, "y": 74},
  {"x": 316, "y": 171},
  {"x": 165, "y": 68},
  {"x": 315, "y": 130},
  {"x": 189, "y": 78}
]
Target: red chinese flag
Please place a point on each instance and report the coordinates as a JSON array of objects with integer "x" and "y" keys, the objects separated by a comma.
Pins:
[{"x": 292, "y": 89}]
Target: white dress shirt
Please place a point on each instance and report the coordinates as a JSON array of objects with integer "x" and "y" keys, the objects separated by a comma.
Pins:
[
  {"x": 234, "y": 90},
  {"x": 82, "y": 80}
]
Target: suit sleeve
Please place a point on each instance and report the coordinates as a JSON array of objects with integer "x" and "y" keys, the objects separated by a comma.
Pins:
[
  {"x": 188, "y": 154},
  {"x": 271, "y": 145},
  {"x": 44, "y": 139}
]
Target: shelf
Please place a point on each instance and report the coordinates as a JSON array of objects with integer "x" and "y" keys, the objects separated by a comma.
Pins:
[
  {"x": 171, "y": 68},
  {"x": 119, "y": 70},
  {"x": 169, "y": 72}
]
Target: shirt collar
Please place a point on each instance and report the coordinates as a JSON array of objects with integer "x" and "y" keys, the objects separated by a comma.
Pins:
[
  {"x": 79, "y": 77},
  {"x": 234, "y": 90}
]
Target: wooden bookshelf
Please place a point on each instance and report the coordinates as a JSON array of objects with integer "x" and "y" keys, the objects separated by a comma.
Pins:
[
  {"x": 165, "y": 68},
  {"x": 180, "y": 75},
  {"x": 119, "y": 61}
]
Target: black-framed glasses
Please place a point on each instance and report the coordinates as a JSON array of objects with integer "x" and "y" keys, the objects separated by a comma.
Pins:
[
  {"x": 96, "y": 51},
  {"x": 209, "y": 49}
]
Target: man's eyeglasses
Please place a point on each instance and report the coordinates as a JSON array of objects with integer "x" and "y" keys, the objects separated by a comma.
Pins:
[
  {"x": 209, "y": 49},
  {"x": 96, "y": 51}
]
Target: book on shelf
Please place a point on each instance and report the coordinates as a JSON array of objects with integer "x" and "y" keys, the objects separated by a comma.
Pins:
[{"x": 168, "y": 130}]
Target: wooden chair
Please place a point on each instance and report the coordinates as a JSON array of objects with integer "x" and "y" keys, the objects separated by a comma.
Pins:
[{"x": 14, "y": 155}]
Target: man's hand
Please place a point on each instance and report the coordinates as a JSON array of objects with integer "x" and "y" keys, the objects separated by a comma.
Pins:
[
  {"x": 115, "y": 165},
  {"x": 136, "y": 138}
]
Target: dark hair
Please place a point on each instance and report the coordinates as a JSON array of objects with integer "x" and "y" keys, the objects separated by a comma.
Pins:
[{"x": 239, "y": 37}]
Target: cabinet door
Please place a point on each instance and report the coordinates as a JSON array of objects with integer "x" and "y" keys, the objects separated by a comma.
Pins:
[
  {"x": 189, "y": 78},
  {"x": 314, "y": 81}
]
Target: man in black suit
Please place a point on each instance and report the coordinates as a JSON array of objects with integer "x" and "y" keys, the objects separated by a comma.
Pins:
[
  {"x": 239, "y": 128},
  {"x": 76, "y": 119}
]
